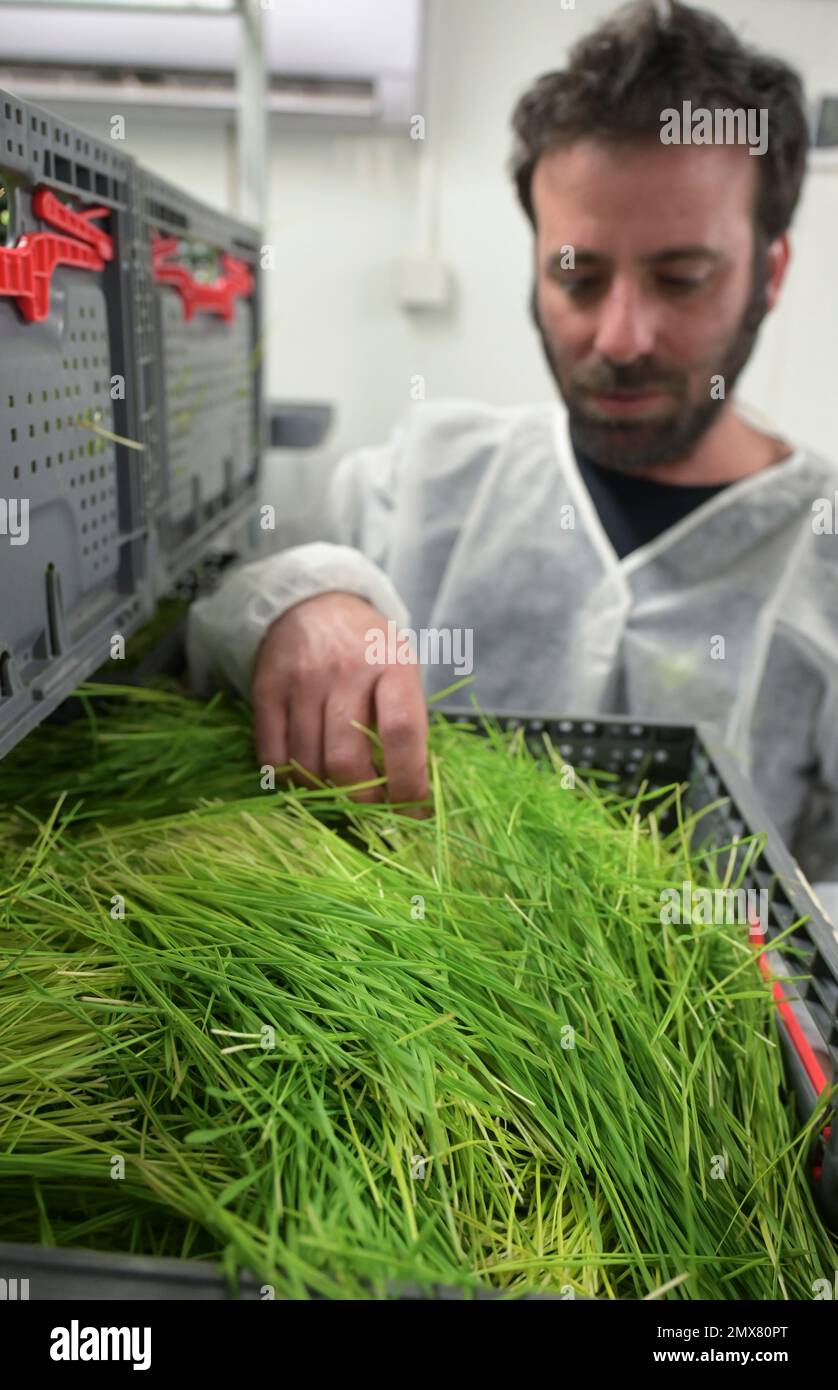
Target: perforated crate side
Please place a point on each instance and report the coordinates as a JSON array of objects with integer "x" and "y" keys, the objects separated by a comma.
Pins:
[
  {"x": 629, "y": 750},
  {"x": 208, "y": 388},
  {"x": 812, "y": 946},
  {"x": 144, "y": 337},
  {"x": 66, "y": 398}
]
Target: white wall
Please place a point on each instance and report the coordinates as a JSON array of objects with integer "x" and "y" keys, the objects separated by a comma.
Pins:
[{"x": 343, "y": 211}]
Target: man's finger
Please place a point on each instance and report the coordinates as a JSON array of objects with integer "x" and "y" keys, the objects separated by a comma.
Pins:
[
  {"x": 347, "y": 751},
  {"x": 270, "y": 725},
  {"x": 305, "y": 733},
  {"x": 402, "y": 722}
]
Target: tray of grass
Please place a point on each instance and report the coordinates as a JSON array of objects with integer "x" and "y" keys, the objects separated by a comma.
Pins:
[
  {"x": 350, "y": 1052},
  {"x": 728, "y": 822}
]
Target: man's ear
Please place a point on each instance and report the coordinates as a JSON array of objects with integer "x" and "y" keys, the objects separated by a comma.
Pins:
[{"x": 778, "y": 257}]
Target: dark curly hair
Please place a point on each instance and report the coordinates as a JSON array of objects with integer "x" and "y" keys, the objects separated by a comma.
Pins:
[{"x": 654, "y": 54}]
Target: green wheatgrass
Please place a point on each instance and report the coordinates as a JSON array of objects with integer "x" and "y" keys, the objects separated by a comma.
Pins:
[{"x": 487, "y": 1061}]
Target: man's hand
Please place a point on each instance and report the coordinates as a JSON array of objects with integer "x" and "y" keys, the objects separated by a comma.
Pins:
[{"x": 311, "y": 679}]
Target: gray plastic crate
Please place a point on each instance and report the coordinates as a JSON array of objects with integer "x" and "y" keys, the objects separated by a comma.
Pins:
[
  {"x": 77, "y": 573},
  {"x": 205, "y": 437}
]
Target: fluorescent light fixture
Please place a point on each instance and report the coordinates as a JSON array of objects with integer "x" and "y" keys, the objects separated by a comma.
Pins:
[{"x": 183, "y": 6}]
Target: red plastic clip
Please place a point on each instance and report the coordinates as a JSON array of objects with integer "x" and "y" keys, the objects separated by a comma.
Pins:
[
  {"x": 806, "y": 1053},
  {"x": 26, "y": 269},
  {"x": 235, "y": 282},
  {"x": 47, "y": 207},
  {"x": 801, "y": 1044}
]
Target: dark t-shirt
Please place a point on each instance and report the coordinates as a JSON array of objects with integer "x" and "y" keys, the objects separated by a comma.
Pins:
[{"x": 634, "y": 511}]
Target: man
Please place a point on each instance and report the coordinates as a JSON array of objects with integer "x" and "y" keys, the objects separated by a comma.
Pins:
[{"x": 645, "y": 549}]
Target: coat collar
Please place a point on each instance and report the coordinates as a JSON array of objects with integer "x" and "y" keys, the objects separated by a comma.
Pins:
[{"x": 735, "y": 520}]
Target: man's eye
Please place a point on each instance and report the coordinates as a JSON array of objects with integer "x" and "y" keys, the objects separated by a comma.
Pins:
[
  {"x": 682, "y": 284},
  {"x": 584, "y": 284}
]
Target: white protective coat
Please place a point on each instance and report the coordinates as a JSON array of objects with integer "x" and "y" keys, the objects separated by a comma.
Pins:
[{"x": 477, "y": 517}]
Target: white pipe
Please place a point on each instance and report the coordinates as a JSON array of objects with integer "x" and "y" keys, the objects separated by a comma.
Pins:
[{"x": 252, "y": 117}]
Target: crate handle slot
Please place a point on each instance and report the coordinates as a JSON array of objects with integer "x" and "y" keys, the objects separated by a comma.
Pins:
[
  {"x": 26, "y": 269},
  {"x": 57, "y": 635},
  {"x": 8, "y": 683},
  {"x": 219, "y": 297}
]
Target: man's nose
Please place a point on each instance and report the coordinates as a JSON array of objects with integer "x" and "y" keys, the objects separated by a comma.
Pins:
[{"x": 626, "y": 328}]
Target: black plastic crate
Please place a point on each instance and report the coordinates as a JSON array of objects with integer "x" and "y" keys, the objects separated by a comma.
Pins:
[
  {"x": 199, "y": 316},
  {"x": 659, "y": 753},
  {"x": 76, "y": 573},
  {"x": 45, "y": 1274}
]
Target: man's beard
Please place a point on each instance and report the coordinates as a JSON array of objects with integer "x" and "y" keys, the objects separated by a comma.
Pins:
[{"x": 628, "y": 444}]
